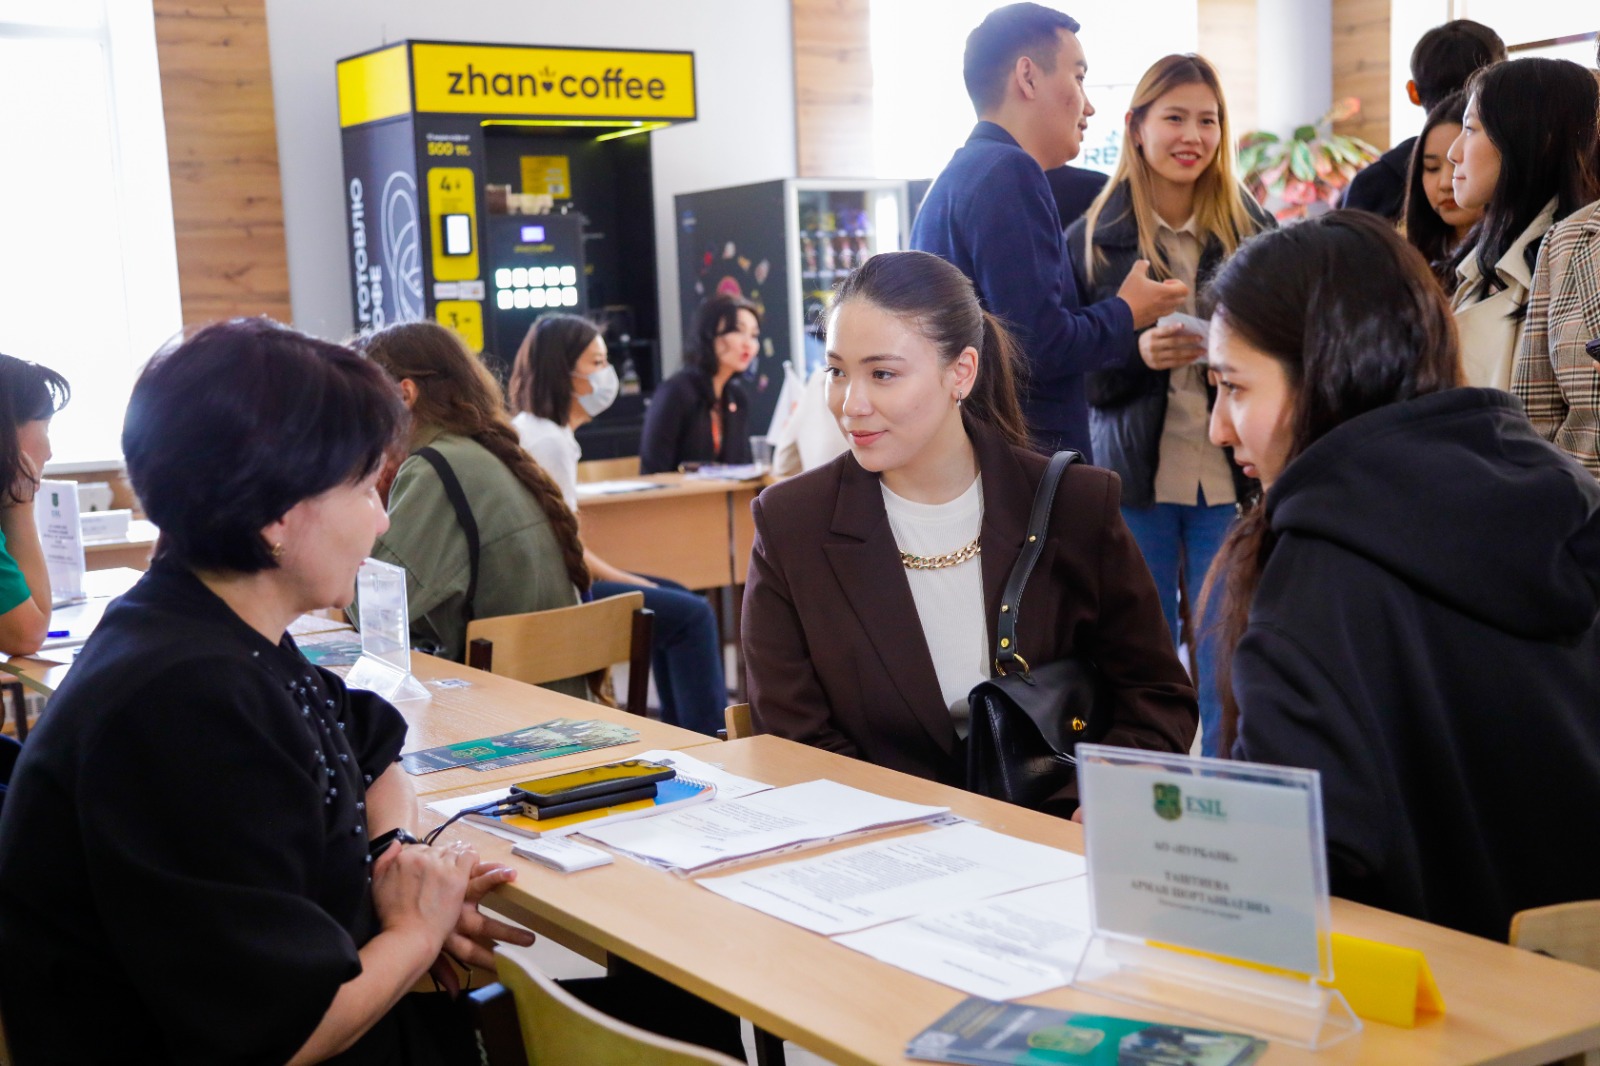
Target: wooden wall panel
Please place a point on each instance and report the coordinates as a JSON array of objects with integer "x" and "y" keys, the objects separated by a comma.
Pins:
[
  {"x": 1361, "y": 65},
  {"x": 1228, "y": 40},
  {"x": 833, "y": 88},
  {"x": 222, "y": 147}
]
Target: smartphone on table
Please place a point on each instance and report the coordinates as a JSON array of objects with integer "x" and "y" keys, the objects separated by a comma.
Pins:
[{"x": 594, "y": 781}]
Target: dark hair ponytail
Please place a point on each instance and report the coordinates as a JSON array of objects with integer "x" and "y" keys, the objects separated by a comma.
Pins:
[
  {"x": 993, "y": 400},
  {"x": 939, "y": 302}
]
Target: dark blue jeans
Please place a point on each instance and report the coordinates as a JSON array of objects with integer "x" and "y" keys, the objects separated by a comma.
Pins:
[
  {"x": 685, "y": 656},
  {"x": 1169, "y": 534}
]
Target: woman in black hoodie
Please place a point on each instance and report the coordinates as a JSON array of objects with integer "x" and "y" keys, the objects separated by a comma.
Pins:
[{"x": 1412, "y": 610}]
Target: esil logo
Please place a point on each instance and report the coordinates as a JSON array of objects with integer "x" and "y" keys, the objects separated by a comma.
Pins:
[
  {"x": 613, "y": 84},
  {"x": 1171, "y": 804}
]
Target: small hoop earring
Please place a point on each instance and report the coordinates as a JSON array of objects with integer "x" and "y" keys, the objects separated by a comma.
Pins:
[{"x": 277, "y": 552}]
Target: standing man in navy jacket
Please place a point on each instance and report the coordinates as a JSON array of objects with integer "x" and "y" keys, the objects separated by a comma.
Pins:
[{"x": 992, "y": 214}]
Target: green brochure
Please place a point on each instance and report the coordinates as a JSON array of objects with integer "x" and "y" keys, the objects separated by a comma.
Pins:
[
  {"x": 985, "y": 1033},
  {"x": 547, "y": 740}
]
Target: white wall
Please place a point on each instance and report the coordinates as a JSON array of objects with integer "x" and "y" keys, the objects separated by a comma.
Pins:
[
  {"x": 1294, "y": 49},
  {"x": 744, "y": 66}
]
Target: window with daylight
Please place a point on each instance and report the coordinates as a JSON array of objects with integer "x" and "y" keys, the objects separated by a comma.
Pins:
[
  {"x": 88, "y": 269},
  {"x": 921, "y": 113}
]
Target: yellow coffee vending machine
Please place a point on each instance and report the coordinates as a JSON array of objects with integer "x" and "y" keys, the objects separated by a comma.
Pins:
[{"x": 487, "y": 184}]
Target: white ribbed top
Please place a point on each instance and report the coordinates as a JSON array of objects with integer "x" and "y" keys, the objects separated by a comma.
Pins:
[{"x": 949, "y": 601}]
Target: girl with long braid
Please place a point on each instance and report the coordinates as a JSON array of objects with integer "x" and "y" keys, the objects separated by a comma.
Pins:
[{"x": 530, "y": 557}]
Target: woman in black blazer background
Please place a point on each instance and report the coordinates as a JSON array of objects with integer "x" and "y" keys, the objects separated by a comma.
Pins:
[{"x": 701, "y": 414}]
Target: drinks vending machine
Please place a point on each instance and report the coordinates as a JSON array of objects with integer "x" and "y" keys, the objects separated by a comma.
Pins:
[{"x": 784, "y": 244}]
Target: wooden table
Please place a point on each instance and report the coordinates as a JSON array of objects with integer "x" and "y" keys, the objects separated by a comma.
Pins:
[
  {"x": 44, "y": 671},
  {"x": 130, "y": 551},
  {"x": 1505, "y": 1005},
  {"x": 486, "y": 706},
  {"x": 696, "y": 532},
  {"x": 490, "y": 705}
]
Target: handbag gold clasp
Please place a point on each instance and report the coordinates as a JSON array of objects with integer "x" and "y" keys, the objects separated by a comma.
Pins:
[{"x": 1026, "y": 670}]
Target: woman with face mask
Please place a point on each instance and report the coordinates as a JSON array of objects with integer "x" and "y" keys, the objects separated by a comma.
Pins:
[
  {"x": 562, "y": 379},
  {"x": 701, "y": 414},
  {"x": 529, "y": 557}
]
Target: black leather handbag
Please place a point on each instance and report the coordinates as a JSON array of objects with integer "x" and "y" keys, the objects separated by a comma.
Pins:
[{"x": 1026, "y": 720}]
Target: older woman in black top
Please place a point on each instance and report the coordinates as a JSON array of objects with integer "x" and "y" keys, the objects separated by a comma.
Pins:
[
  {"x": 701, "y": 414},
  {"x": 190, "y": 823}
]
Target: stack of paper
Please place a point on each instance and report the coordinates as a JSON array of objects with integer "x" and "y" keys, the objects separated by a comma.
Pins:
[
  {"x": 766, "y": 823},
  {"x": 615, "y": 488},
  {"x": 877, "y": 883},
  {"x": 980, "y": 911}
]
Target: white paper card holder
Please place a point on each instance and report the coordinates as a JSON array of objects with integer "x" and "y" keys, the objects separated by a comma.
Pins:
[
  {"x": 385, "y": 663},
  {"x": 1208, "y": 893},
  {"x": 55, "y": 512}
]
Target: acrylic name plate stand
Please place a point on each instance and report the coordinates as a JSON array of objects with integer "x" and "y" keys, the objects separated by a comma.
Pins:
[
  {"x": 55, "y": 512},
  {"x": 385, "y": 663},
  {"x": 1208, "y": 893}
]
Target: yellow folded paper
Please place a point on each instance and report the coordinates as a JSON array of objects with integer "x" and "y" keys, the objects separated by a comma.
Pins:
[
  {"x": 1381, "y": 982},
  {"x": 1384, "y": 983}
]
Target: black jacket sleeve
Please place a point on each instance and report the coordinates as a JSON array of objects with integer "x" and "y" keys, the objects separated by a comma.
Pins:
[{"x": 665, "y": 420}]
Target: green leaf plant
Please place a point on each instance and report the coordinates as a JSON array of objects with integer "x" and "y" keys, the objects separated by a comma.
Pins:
[{"x": 1307, "y": 174}]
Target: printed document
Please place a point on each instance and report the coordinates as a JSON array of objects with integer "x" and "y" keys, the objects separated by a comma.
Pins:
[
  {"x": 1002, "y": 948},
  {"x": 891, "y": 879},
  {"x": 771, "y": 821}
]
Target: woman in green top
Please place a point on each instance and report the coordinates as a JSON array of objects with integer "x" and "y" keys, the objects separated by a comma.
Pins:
[
  {"x": 29, "y": 396},
  {"x": 529, "y": 555}
]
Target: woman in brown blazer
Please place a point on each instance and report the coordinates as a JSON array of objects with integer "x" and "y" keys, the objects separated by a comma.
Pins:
[{"x": 869, "y": 613}]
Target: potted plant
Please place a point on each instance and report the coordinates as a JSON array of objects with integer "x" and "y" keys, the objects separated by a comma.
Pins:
[{"x": 1307, "y": 174}]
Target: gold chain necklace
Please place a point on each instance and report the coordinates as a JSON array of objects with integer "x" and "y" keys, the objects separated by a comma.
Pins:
[{"x": 939, "y": 562}]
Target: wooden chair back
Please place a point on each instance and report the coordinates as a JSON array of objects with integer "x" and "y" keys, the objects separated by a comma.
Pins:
[
  {"x": 591, "y": 470},
  {"x": 546, "y": 646},
  {"x": 559, "y": 1029},
  {"x": 737, "y": 719},
  {"x": 1566, "y": 931}
]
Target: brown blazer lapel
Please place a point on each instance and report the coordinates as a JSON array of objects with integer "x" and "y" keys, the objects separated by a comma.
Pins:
[
  {"x": 1007, "y": 499},
  {"x": 870, "y": 573}
]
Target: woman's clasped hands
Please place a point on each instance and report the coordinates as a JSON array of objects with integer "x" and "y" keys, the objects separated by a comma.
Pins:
[{"x": 435, "y": 891}]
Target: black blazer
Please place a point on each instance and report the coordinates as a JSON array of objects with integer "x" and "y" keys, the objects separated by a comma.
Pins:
[
  {"x": 834, "y": 650},
  {"x": 677, "y": 424}
]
